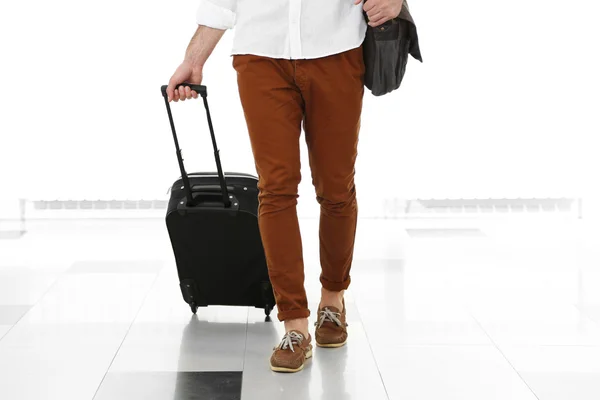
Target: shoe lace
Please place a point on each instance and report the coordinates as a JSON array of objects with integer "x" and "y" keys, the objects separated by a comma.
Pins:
[
  {"x": 327, "y": 315},
  {"x": 289, "y": 339}
]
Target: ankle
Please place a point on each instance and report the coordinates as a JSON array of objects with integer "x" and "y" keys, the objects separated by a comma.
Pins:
[
  {"x": 299, "y": 324},
  {"x": 332, "y": 299}
]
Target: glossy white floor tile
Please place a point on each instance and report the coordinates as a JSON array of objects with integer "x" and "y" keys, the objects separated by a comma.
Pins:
[
  {"x": 23, "y": 285},
  {"x": 56, "y": 361},
  {"x": 448, "y": 372},
  {"x": 197, "y": 345},
  {"x": 92, "y": 298},
  {"x": 11, "y": 314},
  {"x": 387, "y": 301},
  {"x": 537, "y": 324},
  {"x": 591, "y": 311},
  {"x": 558, "y": 372},
  {"x": 4, "y": 329},
  {"x": 420, "y": 324},
  {"x": 509, "y": 313}
]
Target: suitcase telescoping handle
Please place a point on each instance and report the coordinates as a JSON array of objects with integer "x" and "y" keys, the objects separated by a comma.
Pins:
[{"x": 201, "y": 90}]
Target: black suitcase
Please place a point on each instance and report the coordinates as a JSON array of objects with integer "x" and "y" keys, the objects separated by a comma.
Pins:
[{"x": 213, "y": 226}]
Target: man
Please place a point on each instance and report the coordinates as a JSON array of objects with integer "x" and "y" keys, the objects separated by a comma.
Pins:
[{"x": 299, "y": 65}]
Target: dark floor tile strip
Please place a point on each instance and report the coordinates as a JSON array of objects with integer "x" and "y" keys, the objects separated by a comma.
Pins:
[{"x": 162, "y": 385}]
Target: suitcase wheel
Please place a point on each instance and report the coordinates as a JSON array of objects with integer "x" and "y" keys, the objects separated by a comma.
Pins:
[
  {"x": 194, "y": 307},
  {"x": 268, "y": 310}
]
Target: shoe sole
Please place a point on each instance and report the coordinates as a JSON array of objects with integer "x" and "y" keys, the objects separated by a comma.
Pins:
[
  {"x": 331, "y": 345},
  {"x": 283, "y": 369}
]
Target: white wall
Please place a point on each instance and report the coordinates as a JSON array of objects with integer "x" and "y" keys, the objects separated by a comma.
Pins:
[{"x": 505, "y": 104}]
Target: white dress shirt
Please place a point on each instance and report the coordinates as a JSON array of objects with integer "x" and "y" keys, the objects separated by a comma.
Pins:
[{"x": 290, "y": 29}]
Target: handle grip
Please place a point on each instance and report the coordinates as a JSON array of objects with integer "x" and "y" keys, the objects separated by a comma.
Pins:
[
  {"x": 211, "y": 188},
  {"x": 200, "y": 89}
]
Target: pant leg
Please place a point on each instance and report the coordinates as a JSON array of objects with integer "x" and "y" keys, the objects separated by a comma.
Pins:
[
  {"x": 274, "y": 108},
  {"x": 333, "y": 89}
]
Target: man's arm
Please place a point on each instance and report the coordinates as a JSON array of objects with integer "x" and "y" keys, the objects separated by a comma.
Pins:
[{"x": 214, "y": 17}]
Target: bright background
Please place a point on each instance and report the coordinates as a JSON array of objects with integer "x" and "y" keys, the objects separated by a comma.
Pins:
[{"x": 505, "y": 105}]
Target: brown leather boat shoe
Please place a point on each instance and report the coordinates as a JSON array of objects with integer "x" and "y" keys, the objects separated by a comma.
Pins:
[
  {"x": 291, "y": 353},
  {"x": 331, "y": 327}
]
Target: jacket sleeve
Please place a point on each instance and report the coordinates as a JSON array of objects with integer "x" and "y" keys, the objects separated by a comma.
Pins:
[{"x": 218, "y": 14}]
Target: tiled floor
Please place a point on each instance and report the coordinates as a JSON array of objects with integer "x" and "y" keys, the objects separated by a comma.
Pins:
[{"x": 437, "y": 310}]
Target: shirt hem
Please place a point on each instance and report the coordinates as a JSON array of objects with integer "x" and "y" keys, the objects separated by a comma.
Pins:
[{"x": 288, "y": 57}]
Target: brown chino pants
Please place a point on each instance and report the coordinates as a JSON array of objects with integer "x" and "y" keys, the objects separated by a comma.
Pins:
[{"x": 324, "y": 96}]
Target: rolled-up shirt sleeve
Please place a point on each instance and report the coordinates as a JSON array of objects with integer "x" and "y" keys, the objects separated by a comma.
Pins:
[{"x": 218, "y": 14}]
